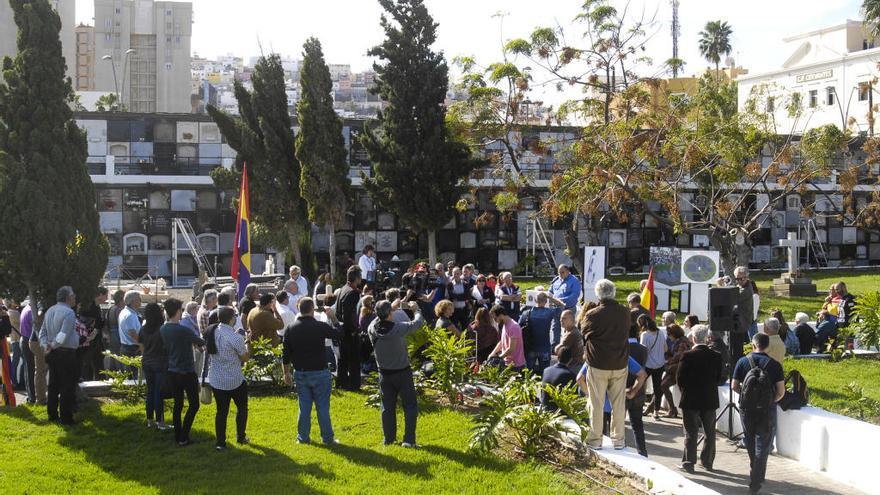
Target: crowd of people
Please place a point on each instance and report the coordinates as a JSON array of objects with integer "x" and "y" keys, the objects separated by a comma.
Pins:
[{"x": 611, "y": 351}]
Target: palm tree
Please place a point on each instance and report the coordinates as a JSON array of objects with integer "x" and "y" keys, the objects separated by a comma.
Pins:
[
  {"x": 715, "y": 42},
  {"x": 871, "y": 11}
]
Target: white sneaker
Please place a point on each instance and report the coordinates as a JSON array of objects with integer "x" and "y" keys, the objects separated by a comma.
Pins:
[
  {"x": 161, "y": 426},
  {"x": 150, "y": 423},
  {"x": 408, "y": 445}
]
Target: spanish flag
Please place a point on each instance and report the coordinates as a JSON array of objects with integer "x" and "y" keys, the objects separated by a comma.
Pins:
[
  {"x": 241, "y": 250},
  {"x": 648, "y": 294}
]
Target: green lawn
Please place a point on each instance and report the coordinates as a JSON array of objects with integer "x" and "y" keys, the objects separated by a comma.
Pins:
[
  {"x": 826, "y": 381},
  {"x": 111, "y": 451}
]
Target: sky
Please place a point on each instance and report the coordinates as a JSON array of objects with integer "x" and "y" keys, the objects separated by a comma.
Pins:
[{"x": 348, "y": 28}]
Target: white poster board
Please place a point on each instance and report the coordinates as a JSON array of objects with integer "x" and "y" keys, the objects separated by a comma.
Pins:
[
  {"x": 700, "y": 269},
  {"x": 594, "y": 270},
  {"x": 532, "y": 298}
]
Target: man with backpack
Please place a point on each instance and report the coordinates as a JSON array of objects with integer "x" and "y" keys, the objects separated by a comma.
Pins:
[{"x": 760, "y": 383}]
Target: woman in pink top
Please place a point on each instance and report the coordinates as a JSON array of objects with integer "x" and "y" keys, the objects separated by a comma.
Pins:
[{"x": 510, "y": 347}]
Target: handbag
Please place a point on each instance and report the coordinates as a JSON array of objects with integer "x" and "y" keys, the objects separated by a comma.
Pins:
[{"x": 205, "y": 389}]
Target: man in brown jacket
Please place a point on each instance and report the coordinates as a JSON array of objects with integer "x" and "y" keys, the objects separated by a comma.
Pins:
[
  {"x": 264, "y": 322},
  {"x": 606, "y": 351}
]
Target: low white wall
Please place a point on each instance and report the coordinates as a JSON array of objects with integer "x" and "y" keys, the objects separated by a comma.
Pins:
[{"x": 836, "y": 445}]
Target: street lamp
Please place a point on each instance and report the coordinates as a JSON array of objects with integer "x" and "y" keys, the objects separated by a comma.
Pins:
[{"x": 128, "y": 53}]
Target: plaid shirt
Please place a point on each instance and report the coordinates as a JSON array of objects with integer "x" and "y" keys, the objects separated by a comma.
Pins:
[
  {"x": 224, "y": 371},
  {"x": 203, "y": 317}
]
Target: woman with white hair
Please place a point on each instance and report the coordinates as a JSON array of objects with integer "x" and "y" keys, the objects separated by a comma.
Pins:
[{"x": 805, "y": 333}]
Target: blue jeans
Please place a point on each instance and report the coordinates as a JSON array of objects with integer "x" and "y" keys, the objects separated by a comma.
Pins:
[
  {"x": 753, "y": 330},
  {"x": 759, "y": 430},
  {"x": 537, "y": 362},
  {"x": 313, "y": 387},
  {"x": 155, "y": 375}
]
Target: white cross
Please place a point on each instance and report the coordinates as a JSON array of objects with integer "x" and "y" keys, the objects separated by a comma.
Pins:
[{"x": 792, "y": 243}]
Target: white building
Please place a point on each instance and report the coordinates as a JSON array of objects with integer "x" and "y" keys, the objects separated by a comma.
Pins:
[
  {"x": 830, "y": 74},
  {"x": 143, "y": 53},
  {"x": 9, "y": 33}
]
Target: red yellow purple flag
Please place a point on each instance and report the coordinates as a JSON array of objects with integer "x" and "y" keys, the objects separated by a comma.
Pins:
[{"x": 241, "y": 250}]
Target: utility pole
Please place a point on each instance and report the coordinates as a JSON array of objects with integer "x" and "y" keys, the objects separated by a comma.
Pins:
[
  {"x": 676, "y": 32},
  {"x": 871, "y": 108}
]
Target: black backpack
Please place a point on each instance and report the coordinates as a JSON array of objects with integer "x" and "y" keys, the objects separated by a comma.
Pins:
[
  {"x": 757, "y": 392},
  {"x": 798, "y": 395}
]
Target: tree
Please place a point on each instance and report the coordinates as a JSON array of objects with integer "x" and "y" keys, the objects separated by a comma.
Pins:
[
  {"x": 715, "y": 42},
  {"x": 48, "y": 213},
  {"x": 109, "y": 103},
  {"x": 263, "y": 138},
  {"x": 871, "y": 12},
  {"x": 418, "y": 168},
  {"x": 696, "y": 166},
  {"x": 602, "y": 65},
  {"x": 320, "y": 147}
]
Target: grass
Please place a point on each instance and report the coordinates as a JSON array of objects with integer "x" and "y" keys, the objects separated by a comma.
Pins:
[
  {"x": 826, "y": 381},
  {"x": 111, "y": 451}
]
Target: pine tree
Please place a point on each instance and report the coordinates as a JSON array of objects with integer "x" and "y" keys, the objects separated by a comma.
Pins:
[
  {"x": 320, "y": 146},
  {"x": 263, "y": 137},
  {"x": 51, "y": 233},
  {"x": 418, "y": 169}
]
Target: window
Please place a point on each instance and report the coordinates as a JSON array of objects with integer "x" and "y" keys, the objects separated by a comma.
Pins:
[
  {"x": 867, "y": 44},
  {"x": 167, "y": 12},
  {"x": 771, "y": 104},
  {"x": 814, "y": 98},
  {"x": 864, "y": 91},
  {"x": 829, "y": 95},
  {"x": 168, "y": 66},
  {"x": 118, "y": 10},
  {"x": 108, "y": 23},
  {"x": 107, "y": 36}
]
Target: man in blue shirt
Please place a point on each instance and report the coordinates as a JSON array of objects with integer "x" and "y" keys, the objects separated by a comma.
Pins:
[
  {"x": 537, "y": 321},
  {"x": 130, "y": 327},
  {"x": 565, "y": 290},
  {"x": 759, "y": 425},
  {"x": 59, "y": 340}
]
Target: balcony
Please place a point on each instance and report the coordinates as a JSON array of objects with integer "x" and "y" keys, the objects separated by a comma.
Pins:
[{"x": 152, "y": 165}]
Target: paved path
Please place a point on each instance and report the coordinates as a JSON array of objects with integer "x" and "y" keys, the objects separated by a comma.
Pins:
[{"x": 665, "y": 439}]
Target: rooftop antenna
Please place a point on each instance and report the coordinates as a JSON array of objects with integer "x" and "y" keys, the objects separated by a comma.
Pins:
[{"x": 676, "y": 32}]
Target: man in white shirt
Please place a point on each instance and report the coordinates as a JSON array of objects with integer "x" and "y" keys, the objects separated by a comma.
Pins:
[
  {"x": 286, "y": 314},
  {"x": 367, "y": 262},
  {"x": 301, "y": 282},
  {"x": 291, "y": 287}
]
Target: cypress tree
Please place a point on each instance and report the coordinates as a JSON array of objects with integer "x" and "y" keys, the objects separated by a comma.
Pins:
[
  {"x": 262, "y": 135},
  {"x": 320, "y": 146},
  {"x": 419, "y": 170},
  {"x": 51, "y": 233}
]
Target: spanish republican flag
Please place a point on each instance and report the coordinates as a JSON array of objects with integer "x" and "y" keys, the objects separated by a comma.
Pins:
[
  {"x": 241, "y": 250},
  {"x": 648, "y": 294}
]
